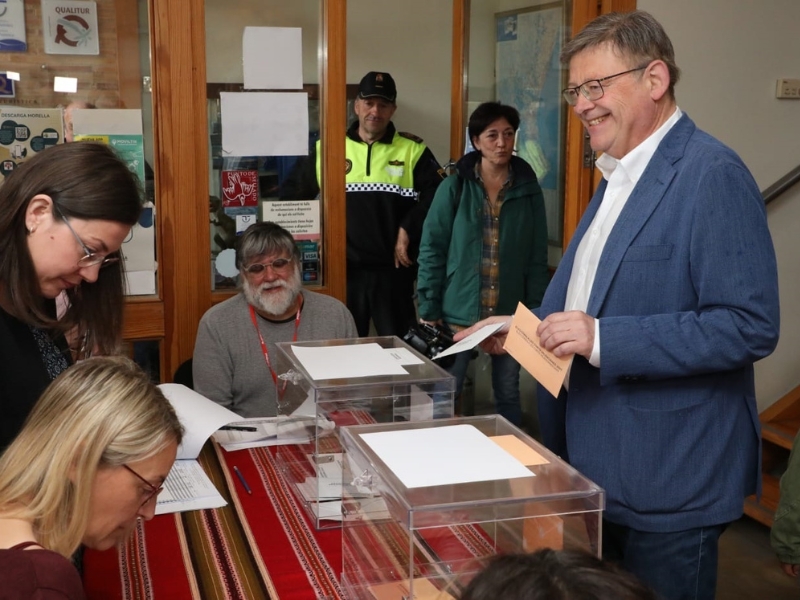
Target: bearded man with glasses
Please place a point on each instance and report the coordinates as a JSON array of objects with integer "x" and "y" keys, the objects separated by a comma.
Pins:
[
  {"x": 665, "y": 297},
  {"x": 233, "y": 361}
]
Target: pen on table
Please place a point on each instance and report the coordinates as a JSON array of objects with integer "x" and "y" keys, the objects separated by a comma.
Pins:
[
  {"x": 241, "y": 478},
  {"x": 238, "y": 428}
]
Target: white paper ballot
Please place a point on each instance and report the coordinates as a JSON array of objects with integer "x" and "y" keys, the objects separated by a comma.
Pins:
[
  {"x": 472, "y": 340},
  {"x": 420, "y": 405},
  {"x": 370, "y": 508},
  {"x": 444, "y": 456},
  {"x": 308, "y": 408},
  {"x": 199, "y": 416},
  {"x": 264, "y": 123},
  {"x": 331, "y": 510},
  {"x": 187, "y": 487},
  {"x": 403, "y": 356},
  {"x": 272, "y": 58},
  {"x": 350, "y": 360}
]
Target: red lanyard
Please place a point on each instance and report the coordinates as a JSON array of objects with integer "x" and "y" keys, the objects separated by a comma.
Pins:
[{"x": 264, "y": 346}]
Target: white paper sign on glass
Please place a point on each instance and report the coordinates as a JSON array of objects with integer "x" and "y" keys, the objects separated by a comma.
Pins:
[
  {"x": 264, "y": 123},
  {"x": 272, "y": 58}
]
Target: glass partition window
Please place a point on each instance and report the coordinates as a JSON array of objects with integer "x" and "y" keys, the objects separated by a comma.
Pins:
[
  {"x": 514, "y": 59},
  {"x": 263, "y": 124},
  {"x": 66, "y": 84}
]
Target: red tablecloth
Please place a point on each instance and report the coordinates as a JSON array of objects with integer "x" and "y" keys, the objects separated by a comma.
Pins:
[{"x": 260, "y": 546}]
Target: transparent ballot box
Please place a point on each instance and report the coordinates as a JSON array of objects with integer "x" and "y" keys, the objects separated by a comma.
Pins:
[
  {"x": 429, "y": 503},
  {"x": 323, "y": 385}
]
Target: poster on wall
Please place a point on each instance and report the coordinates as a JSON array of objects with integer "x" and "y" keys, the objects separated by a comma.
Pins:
[
  {"x": 240, "y": 192},
  {"x": 6, "y": 86},
  {"x": 70, "y": 27},
  {"x": 12, "y": 26},
  {"x": 24, "y": 132},
  {"x": 529, "y": 77},
  {"x": 122, "y": 130},
  {"x": 302, "y": 219}
]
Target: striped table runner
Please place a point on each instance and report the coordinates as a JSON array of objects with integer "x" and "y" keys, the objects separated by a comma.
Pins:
[{"x": 260, "y": 546}]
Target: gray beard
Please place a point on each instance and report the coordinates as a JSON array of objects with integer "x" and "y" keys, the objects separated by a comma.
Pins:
[{"x": 275, "y": 303}]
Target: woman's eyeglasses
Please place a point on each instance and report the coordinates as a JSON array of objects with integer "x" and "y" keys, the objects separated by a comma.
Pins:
[
  {"x": 154, "y": 490},
  {"x": 90, "y": 259}
]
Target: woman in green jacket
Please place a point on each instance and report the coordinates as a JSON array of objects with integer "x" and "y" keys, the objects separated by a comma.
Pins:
[{"x": 484, "y": 244}]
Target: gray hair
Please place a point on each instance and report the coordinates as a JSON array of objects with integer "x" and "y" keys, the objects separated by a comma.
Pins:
[
  {"x": 635, "y": 36},
  {"x": 261, "y": 239}
]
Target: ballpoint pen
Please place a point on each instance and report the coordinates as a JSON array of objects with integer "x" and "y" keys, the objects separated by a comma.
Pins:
[
  {"x": 238, "y": 428},
  {"x": 241, "y": 478}
]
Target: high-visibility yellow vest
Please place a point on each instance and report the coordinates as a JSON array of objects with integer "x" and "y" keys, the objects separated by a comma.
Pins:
[{"x": 380, "y": 167}]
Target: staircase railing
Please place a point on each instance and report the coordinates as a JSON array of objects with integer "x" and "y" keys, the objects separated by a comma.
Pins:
[{"x": 780, "y": 186}]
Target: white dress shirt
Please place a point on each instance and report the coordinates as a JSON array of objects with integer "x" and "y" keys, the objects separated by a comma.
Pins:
[{"x": 622, "y": 176}]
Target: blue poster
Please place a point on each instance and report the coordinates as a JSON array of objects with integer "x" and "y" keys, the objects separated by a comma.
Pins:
[
  {"x": 6, "y": 86},
  {"x": 12, "y": 26}
]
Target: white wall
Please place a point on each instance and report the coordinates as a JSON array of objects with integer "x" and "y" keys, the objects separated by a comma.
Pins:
[
  {"x": 778, "y": 373},
  {"x": 411, "y": 40},
  {"x": 731, "y": 53}
]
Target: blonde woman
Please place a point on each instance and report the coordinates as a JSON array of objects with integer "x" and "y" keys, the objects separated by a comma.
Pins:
[{"x": 89, "y": 462}]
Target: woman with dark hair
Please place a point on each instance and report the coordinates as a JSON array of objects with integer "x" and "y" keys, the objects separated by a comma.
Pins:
[
  {"x": 63, "y": 217},
  {"x": 484, "y": 244}
]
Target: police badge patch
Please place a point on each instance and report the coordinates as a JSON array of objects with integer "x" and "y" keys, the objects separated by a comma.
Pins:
[
  {"x": 348, "y": 166},
  {"x": 396, "y": 168}
]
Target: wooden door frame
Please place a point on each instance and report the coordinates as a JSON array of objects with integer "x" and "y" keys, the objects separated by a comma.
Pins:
[
  {"x": 579, "y": 184},
  {"x": 183, "y": 247},
  {"x": 580, "y": 179}
]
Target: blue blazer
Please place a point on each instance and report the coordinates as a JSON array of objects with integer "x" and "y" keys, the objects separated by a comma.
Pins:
[{"x": 687, "y": 296}]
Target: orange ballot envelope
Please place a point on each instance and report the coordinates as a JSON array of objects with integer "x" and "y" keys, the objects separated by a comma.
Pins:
[{"x": 523, "y": 344}]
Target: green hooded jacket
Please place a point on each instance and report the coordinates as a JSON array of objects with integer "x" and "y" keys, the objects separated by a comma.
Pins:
[{"x": 449, "y": 278}]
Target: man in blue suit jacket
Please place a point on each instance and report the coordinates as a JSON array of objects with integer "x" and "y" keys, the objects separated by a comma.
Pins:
[{"x": 666, "y": 297}]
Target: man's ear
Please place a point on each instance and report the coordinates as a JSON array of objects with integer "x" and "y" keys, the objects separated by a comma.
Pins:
[
  {"x": 40, "y": 209},
  {"x": 657, "y": 76}
]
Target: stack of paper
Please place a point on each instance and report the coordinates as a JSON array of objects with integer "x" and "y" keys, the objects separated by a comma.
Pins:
[
  {"x": 324, "y": 492},
  {"x": 327, "y": 485},
  {"x": 187, "y": 487},
  {"x": 292, "y": 430}
]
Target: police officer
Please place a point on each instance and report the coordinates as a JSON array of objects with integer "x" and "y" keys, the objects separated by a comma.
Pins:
[{"x": 391, "y": 179}]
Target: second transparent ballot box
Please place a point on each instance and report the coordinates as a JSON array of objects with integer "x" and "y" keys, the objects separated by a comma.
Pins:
[
  {"x": 429, "y": 504},
  {"x": 324, "y": 385}
]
